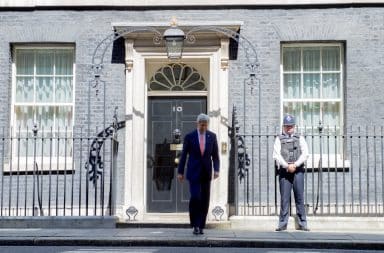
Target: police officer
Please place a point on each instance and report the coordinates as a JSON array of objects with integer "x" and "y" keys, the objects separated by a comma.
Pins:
[{"x": 290, "y": 153}]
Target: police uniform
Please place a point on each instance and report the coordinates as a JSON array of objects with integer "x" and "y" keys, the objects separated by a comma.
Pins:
[{"x": 291, "y": 149}]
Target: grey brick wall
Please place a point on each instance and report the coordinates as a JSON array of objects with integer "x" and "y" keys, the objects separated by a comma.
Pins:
[{"x": 362, "y": 29}]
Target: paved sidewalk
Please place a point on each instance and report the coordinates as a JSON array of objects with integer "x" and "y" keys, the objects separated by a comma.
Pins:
[{"x": 183, "y": 237}]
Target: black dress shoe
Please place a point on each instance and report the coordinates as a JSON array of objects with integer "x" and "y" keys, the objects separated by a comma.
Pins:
[
  {"x": 196, "y": 231},
  {"x": 302, "y": 228},
  {"x": 279, "y": 229},
  {"x": 201, "y": 231}
]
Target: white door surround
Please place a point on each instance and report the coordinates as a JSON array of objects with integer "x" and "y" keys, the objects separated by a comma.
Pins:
[{"x": 141, "y": 60}]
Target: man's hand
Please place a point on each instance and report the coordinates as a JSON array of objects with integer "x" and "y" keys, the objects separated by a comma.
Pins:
[
  {"x": 291, "y": 168},
  {"x": 216, "y": 175},
  {"x": 180, "y": 177}
]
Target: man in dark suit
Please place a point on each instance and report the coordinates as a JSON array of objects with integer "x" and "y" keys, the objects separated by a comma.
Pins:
[{"x": 201, "y": 147}]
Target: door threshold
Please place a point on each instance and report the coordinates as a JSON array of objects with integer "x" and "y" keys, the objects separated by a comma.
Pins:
[{"x": 166, "y": 217}]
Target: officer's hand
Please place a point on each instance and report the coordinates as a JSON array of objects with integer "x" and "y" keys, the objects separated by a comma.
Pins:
[
  {"x": 216, "y": 175},
  {"x": 291, "y": 168},
  {"x": 180, "y": 177}
]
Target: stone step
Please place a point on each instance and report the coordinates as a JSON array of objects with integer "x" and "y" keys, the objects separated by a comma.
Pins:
[
  {"x": 64, "y": 222},
  {"x": 165, "y": 224},
  {"x": 315, "y": 223},
  {"x": 168, "y": 220}
]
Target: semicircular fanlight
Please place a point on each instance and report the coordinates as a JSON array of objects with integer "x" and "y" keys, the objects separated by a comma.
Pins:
[{"x": 177, "y": 77}]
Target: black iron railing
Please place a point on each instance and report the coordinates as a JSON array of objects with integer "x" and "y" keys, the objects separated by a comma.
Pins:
[
  {"x": 344, "y": 172},
  {"x": 57, "y": 173}
]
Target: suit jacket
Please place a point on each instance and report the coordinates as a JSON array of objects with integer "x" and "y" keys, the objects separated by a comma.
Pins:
[{"x": 199, "y": 165}]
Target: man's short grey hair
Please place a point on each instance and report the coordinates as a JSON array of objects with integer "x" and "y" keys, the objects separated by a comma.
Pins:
[{"x": 202, "y": 118}]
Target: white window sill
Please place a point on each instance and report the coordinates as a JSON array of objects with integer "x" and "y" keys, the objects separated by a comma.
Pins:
[
  {"x": 45, "y": 164},
  {"x": 328, "y": 161}
]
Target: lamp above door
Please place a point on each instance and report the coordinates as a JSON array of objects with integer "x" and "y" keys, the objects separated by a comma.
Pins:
[{"x": 174, "y": 41}]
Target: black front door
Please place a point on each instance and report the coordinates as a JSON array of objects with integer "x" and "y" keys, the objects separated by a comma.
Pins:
[{"x": 165, "y": 115}]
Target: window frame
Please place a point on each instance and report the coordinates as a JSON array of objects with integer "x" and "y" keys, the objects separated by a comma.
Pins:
[
  {"x": 321, "y": 100},
  {"x": 301, "y": 72},
  {"x": 14, "y": 130}
]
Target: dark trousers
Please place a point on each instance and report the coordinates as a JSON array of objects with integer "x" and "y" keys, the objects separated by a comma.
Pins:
[
  {"x": 199, "y": 202},
  {"x": 287, "y": 182}
]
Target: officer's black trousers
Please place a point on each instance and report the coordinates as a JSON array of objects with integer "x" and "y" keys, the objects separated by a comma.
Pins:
[{"x": 289, "y": 181}]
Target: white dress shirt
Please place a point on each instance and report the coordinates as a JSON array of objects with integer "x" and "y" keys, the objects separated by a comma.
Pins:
[{"x": 281, "y": 161}]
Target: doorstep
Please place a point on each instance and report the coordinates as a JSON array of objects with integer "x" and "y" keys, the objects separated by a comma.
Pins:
[{"x": 168, "y": 220}]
